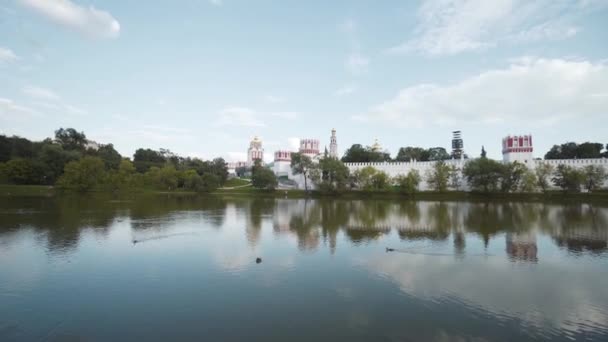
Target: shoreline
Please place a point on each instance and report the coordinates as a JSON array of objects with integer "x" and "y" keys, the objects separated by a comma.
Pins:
[{"x": 551, "y": 196}]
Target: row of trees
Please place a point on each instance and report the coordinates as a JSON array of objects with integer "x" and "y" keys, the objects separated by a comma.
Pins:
[
  {"x": 572, "y": 150},
  {"x": 481, "y": 174},
  {"x": 71, "y": 162},
  {"x": 360, "y": 154}
]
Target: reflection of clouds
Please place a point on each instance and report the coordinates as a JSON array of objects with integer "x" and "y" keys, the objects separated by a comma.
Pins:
[{"x": 534, "y": 295}]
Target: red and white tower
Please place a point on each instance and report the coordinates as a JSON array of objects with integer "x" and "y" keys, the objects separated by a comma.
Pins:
[
  {"x": 309, "y": 147},
  {"x": 255, "y": 151},
  {"x": 517, "y": 148}
]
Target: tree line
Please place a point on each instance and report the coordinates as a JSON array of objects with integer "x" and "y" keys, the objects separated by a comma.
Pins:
[
  {"x": 358, "y": 153},
  {"x": 481, "y": 174},
  {"x": 71, "y": 162}
]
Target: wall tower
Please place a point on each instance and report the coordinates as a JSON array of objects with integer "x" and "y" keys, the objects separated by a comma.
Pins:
[
  {"x": 255, "y": 151},
  {"x": 333, "y": 144},
  {"x": 517, "y": 148}
]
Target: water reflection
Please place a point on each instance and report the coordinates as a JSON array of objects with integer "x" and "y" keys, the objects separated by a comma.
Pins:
[{"x": 498, "y": 270}]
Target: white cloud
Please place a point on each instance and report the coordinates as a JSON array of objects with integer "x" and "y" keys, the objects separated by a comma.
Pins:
[
  {"x": 238, "y": 116},
  {"x": 216, "y": 2},
  {"x": 531, "y": 90},
  {"x": 10, "y": 110},
  {"x": 40, "y": 93},
  {"x": 447, "y": 27},
  {"x": 7, "y": 55},
  {"x": 346, "y": 90},
  {"x": 50, "y": 100},
  {"x": 356, "y": 63},
  {"x": 87, "y": 20},
  {"x": 273, "y": 99}
]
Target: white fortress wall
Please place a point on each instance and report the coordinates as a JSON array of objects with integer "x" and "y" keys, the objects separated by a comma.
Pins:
[{"x": 394, "y": 169}]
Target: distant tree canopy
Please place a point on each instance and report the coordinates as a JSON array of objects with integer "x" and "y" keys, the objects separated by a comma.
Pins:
[
  {"x": 410, "y": 153},
  {"x": 71, "y": 139},
  {"x": 67, "y": 162},
  {"x": 572, "y": 150},
  {"x": 359, "y": 154}
]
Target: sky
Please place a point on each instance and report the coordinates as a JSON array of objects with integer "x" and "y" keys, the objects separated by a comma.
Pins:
[{"x": 203, "y": 77}]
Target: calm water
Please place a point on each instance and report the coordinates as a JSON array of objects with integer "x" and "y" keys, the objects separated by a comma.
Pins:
[{"x": 180, "y": 268}]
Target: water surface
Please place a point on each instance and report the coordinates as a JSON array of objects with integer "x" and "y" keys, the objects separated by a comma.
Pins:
[{"x": 184, "y": 268}]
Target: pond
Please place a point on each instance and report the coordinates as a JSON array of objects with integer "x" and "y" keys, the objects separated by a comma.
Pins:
[{"x": 158, "y": 268}]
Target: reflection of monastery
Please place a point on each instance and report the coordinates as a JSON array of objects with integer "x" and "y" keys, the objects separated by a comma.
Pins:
[
  {"x": 514, "y": 148},
  {"x": 575, "y": 228}
]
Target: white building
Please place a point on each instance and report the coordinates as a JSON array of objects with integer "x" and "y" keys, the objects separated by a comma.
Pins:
[{"x": 255, "y": 151}]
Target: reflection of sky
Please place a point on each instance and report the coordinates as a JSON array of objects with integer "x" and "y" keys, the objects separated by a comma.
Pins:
[{"x": 189, "y": 264}]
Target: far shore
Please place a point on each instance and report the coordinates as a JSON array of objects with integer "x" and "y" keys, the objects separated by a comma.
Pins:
[{"x": 550, "y": 196}]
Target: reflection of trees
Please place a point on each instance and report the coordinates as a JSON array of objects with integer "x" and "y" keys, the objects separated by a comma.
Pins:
[
  {"x": 258, "y": 208},
  {"x": 305, "y": 224},
  {"x": 60, "y": 219},
  {"x": 581, "y": 228}
]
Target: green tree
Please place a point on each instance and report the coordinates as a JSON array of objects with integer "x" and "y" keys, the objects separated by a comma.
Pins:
[
  {"x": 543, "y": 171},
  {"x": 54, "y": 158},
  {"x": 124, "y": 177},
  {"x": 331, "y": 175},
  {"x": 512, "y": 175},
  {"x": 262, "y": 177},
  {"x": 594, "y": 177},
  {"x": 192, "y": 180},
  {"x": 111, "y": 158},
  {"x": 410, "y": 153},
  {"x": 368, "y": 179},
  {"x": 409, "y": 183},
  {"x": 483, "y": 174},
  {"x": 71, "y": 139},
  {"x": 455, "y": 181},
  {"x": 168, "y": 177},
  {"x": 359, "y": 154},
  {"x": 22, "y": 171},
  {"x": 572, "y": 150},
  {"x": 438, "y": 177},
  {"x": 301, "y": 165},
  {"x": 210, "y": 182},
  {"x": 529, "y": 182},
  {"x": 144, "y": 159},
  {"x": 82, "y": 175},
  {"x": 568, "y": 178}
]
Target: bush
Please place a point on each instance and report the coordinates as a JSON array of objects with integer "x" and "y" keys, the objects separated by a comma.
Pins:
[{"x": 409, "y": 183}]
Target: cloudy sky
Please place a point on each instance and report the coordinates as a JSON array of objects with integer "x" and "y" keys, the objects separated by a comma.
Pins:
[{"x": 202, "y": 77}]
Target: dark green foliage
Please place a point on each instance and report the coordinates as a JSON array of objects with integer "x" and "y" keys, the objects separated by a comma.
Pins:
[
  {"x": 262, "y": 177},
  {"x": 594, "y": 177},
  {"x": 512, "y": 176},
  {"x": 23, "y": 171},
  {"x": 111, "y": 158},
  {"x": 144, "y": 159},
  {"x": 331, "y": 175},
  {"x": 83, "y": 175},
  {"x": 572, "y": 150},
  {"x": 568, "y": 178},
  {"x": 438, "y": 177},
  {"x": 71, "y": 139},
  {"x": 301, "y": 165},
  {"x": 543, "y": 172},
  {"x": 410, "y": 153},
  {"x": 409, "y": 183},
  {"x": 483, "y": 174},
  {"x": 359, "y": 154},
  {"x": 368, "y": 179}
]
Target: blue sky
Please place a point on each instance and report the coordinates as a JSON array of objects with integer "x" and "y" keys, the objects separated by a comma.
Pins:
[{"x": 202, "y": 77}]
